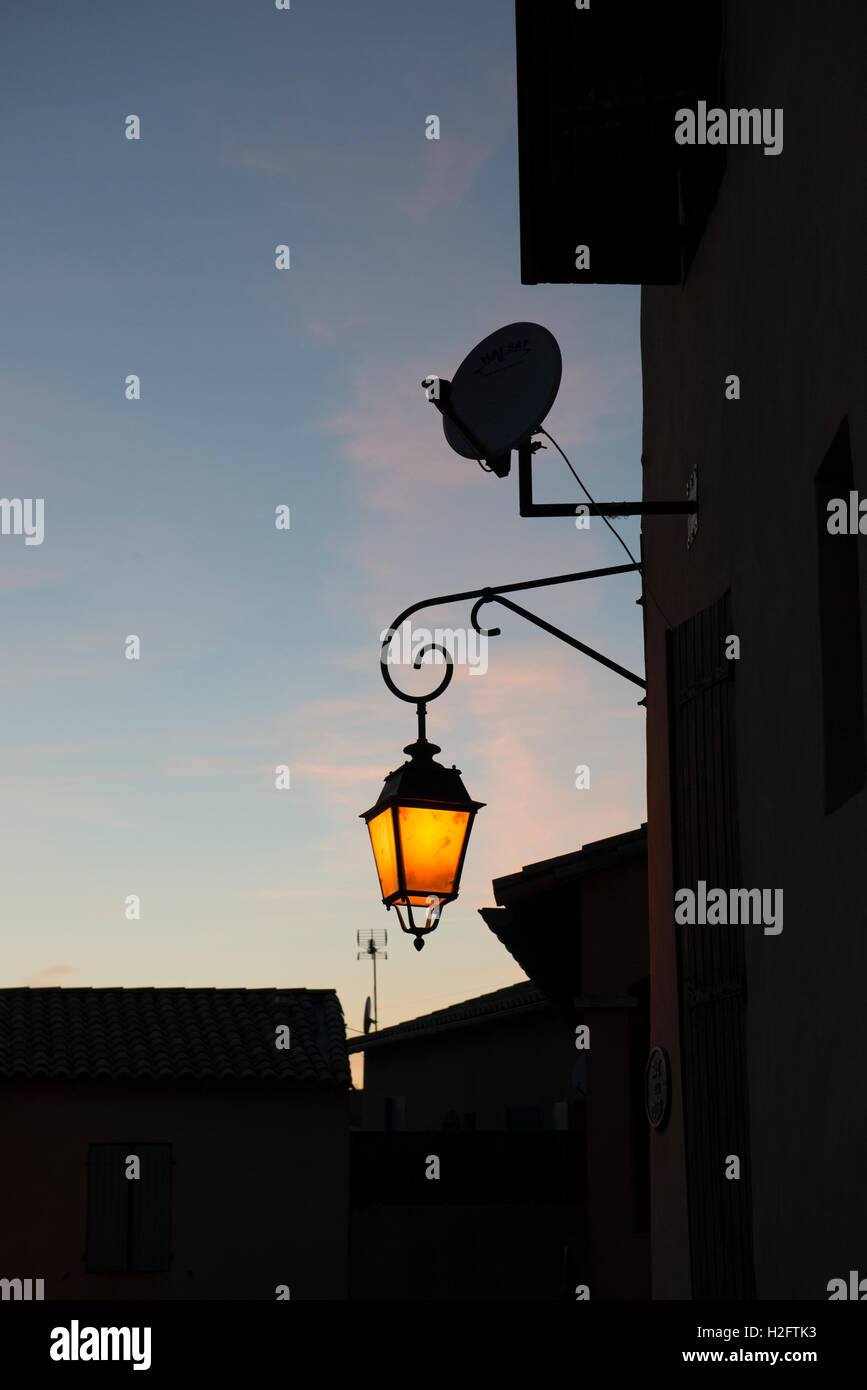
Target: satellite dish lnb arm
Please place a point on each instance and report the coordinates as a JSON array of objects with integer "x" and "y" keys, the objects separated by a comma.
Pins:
[
  {"x": 442, "y": 399},
  {"x": 499, "y": 463}
]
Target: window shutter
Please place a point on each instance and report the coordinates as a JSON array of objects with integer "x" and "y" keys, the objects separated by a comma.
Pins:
[
  {"x": 107, "y": 1209},
  {"x": 129, "y": 1220},
  {"x": 711, "y": 961},
  {"x": 151, "y": 1210}
]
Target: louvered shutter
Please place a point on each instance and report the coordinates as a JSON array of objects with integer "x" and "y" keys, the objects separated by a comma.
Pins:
[{"x": 710, "y": 958}]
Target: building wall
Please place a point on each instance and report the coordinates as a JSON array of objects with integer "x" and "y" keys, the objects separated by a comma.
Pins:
[
  {"x": 776, "y": 294},
  {"x": 516, "y": 1061},
  {"x": 463, "y": 1252},
  {"x": 523, "y": 1060},
  {"x": 614, "y": 945},
  {"x": 614, "y": 957},
  {"x": 260, "y": 1187}
]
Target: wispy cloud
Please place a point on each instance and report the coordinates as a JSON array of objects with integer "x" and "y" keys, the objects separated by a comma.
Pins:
[
  {"x": 49, "y": 974},
  {"x": 445, "y": 177},
  {"x": 340, "y": 774}
]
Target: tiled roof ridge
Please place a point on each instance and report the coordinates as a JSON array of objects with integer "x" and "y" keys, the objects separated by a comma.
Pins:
[
  {"x": 164, "y": 1032},
  {"x": 165, "y": 989},
  {"x": 499, "y": 1001}
]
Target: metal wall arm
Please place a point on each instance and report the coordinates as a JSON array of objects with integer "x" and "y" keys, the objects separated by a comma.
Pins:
[
  {"x": 494, "y": 594},
  {"x": 527, "y": 507}
]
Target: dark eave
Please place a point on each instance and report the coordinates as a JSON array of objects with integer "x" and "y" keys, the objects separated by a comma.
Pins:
[{"x": 514, "y": 1001}]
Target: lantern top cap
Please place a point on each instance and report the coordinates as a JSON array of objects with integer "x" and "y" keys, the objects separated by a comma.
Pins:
[
  {"x": 424, "y": 780},
  {"x": 422, "y": 751}
]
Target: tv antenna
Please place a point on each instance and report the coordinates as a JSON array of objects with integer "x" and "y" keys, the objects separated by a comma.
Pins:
[
  {"x": 498, "y": 399},
  {"x": 371, "y": 945}
]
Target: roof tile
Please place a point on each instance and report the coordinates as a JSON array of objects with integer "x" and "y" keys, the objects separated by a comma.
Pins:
[
  {"x": 224, "y": 1034},
  {"x": 522, "y": 996}
]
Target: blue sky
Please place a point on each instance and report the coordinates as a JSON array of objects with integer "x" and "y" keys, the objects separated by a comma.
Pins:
[{"x": 262, "y": 387}]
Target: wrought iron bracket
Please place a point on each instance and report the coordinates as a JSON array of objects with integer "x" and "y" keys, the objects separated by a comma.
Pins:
[{"x": 494, "y": 594}]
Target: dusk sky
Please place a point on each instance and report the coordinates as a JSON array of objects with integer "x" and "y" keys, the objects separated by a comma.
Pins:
[{"x": 262, "y": 387}]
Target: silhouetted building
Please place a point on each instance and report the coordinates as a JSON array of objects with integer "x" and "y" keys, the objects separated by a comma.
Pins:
[
  {"x": 502, "y": 1061},
  {"x": 578, "y": 924},
  {"x": 754, "y": 398},
  {"x": 756, "y": 765},
  {"x": 541, "y": 1144},
  {"x": 468, "y": 1180},
  {"x": 606, "y": 194},
  {"x": 159, "y": 1144}
]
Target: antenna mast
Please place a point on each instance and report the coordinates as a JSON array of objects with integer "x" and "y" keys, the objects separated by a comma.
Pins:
[{"x": 371, "y": 945}]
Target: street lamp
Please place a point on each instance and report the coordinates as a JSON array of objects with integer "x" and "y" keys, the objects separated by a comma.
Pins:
[
  {"x": 420, "y": 825},
  {"x": 419, "y": 829}
]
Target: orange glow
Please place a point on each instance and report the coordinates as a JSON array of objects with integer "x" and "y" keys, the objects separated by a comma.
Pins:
[
  {"x": 431, "y": 843},
  {"x": 381, "y": 829}
]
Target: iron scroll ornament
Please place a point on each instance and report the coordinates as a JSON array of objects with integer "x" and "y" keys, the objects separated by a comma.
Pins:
[{"x": 495, "y": 594}]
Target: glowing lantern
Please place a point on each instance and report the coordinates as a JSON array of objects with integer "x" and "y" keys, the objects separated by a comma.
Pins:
[{"x": 419, "y": 829}]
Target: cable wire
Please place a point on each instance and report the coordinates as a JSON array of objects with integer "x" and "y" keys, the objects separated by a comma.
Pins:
[{"x": 613, "y": 531}]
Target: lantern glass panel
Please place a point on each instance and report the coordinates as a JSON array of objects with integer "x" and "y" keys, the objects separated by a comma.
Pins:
[
  {"x": 431, "y": 842},
  {"x": 381, "y": 829}
]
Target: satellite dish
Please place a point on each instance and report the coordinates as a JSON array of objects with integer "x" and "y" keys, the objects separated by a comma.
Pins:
[
  {"x": 367, "y": 1015},
  {"x": 503, "y": 389}
]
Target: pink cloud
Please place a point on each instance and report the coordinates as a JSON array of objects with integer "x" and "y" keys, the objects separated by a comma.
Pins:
[
  {"x": 22, "y": 576},
  {"x": 50, "y": 973},
  {"x": 437, "y": 180},
  {"x": 322, "y": 332},
  {"x": 402, "y": 465},
  {"x": 448, "y": 172},
  {"x": 284, "y": 894}
]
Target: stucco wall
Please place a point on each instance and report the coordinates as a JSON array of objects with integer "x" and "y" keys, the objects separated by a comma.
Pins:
[
  {"x": 260, "y": 1187},
  {"x": 519, "y": 1061},
  {"x": 776, "y": 295}
]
